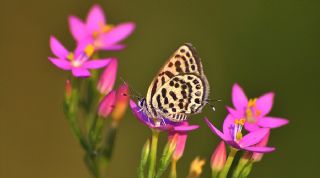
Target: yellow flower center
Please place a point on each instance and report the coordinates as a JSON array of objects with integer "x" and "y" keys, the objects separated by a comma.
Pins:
[
  {"x": 252, "y": 112},
  {"x": 103, "y": 29},
  {"x": 81, "y": 58}
]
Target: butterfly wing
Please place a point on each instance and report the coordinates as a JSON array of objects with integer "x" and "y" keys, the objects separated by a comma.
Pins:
[
  {"x": 183, "y": 61},
  {"x": 181, "y": 95}
]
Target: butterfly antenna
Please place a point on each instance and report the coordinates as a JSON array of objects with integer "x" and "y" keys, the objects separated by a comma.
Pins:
[
  {"x": 211, "y": 102},
  {"x": 134, "y": 94}
]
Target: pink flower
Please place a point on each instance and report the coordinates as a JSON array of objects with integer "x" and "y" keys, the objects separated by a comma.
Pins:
[
  {"x": 169, "y": 126},
  {"x": 254, "y": 111},
  {"x": 107, "y": 104},
  {"x": 218, "y": 158},
  {"x": 96, "y": 31},
  {"x": 108, "y": 77},
  {"x": 78, "y": 62},
  {"x": 232, "y": 135}
]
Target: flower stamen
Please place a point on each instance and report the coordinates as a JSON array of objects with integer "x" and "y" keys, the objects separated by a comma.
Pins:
[{"x": 238, "y": 125}]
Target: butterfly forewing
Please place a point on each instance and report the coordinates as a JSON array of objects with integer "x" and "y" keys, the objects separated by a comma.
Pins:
[{"x": 180, "y": 87}]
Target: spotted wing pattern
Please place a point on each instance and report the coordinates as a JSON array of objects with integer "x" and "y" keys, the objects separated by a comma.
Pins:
[
  {"x": 181, "y": 95},
  {"x": 182, "y": 64}
]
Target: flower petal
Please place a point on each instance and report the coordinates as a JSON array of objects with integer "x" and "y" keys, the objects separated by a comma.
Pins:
[
  {"x": 61, "y": 63},
  {"x": 216, "y": 131},
  {"x": 272, "y": 122},
  {"x": 239, "y": 98},
  {"x": 95, "y": 19},
  {"x": 77, "y": 28},
  {"x": 236, "y": 113},
  {"x": 117, "y": 34},
  {"x": 140, "y": 115},
  {"x": 80, "y": 72},
  {"x": 57, "y": 48},
  {"x": 184, "y": 128},
  {"x": 228, "y": 125},
  {"x": 251, "y": 126},
  {"x": 260, "y": 149},
  {"x": 114, "y": 47},
  {"x": 264, "y": 103},
  {"x": 253, "y": 138},
  {"x": 96, "y": 64}
]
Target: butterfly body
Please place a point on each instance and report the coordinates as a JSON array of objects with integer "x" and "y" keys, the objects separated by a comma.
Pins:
[{"x": 179, "y": 89}]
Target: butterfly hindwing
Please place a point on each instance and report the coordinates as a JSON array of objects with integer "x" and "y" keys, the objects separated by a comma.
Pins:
[{"x": 181, "y": 95}]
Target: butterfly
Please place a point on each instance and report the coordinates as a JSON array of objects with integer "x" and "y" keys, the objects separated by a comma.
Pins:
[{"x": 179, "y": 89}]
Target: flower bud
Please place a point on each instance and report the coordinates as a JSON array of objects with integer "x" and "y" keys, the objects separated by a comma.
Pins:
[
  {"x": 68, "y": 89},
  {"x": 181, "y": 142},
  {"x": 107, "y": 104},
  {"x": 108, "y": 77},
  {"x": 196, "y": 167},
  {"x": 218, "y": 158},
  {"x": 121, "y": 104},
  {"x": 256, "y": 157}
]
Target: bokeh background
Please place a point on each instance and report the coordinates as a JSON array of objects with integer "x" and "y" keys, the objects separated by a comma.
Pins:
[{"x": 264, "y": 45}]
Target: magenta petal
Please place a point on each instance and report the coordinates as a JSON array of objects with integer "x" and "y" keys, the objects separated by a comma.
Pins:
[
  {"x": 253, "y": 138},
  {"x": 272, "y": 122},
  {"x": 239, "y": 98},
  {"x": 96, "y": 64},
  {"x": 114, "y": 47},
  {"x": 264, "y": 103},
  {"x": 95, "y": 19},
  {"x": 140, "y": 115},
  {"x": 183, "y": 128},
  {"x": 61, "y": 63},
  {"x": 77, "y": 28},
  {"x": 236, "y": 113},
  {"x": 117, "y": 34},
  {"x": 57, "y": 48},
  {"x": 260, "y": 149},
  {"x": 80, "y": 72},
  {"x": 228, "y": 125},
  {"x": 216, "y": 131},
  {"x": 251, "y": 126}
]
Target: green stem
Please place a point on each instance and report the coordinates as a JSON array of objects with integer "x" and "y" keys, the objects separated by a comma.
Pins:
[
  {"x": 153, "y": 153},
  {"x": 214, "y": 174},
  {"x": 173, "y": 172},
  {"x": 228, "y": 164},
  {"x": 246, "y": 170},
  {"x": 241, "y": 165}
]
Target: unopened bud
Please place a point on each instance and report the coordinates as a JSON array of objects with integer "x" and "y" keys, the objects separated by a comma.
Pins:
[
  {"x": 108, "y": 77},
  {"x": 107, "y": 104},
  {"x": 218, "y": 158},
  {"x": 68, "y": 89},
  {"x": 122, "y": 101}
]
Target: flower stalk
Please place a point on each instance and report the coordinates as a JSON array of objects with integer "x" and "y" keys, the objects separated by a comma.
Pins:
[
  {"x": 144, "y": 158},
  {"x": 228, "y": 164},
  {"x": 173, "y": 171},
  {"x": 241, "y": 164},
  {"x": 153, "y": 153}
]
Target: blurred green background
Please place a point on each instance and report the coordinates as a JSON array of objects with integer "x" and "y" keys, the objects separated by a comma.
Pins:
[{"x": 265, "y": 45}]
